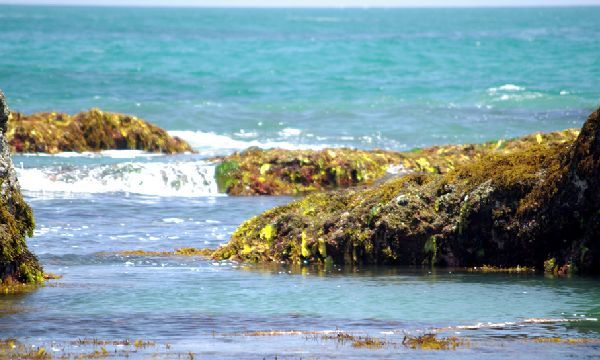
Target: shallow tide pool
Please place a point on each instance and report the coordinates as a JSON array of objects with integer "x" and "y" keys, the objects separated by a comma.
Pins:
[{"x": 230, "y": 310}]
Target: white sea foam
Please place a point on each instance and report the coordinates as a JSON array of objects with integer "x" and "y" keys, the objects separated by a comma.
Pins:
[
  {"x": 288, "y": 132},
  {"x": 209, "y": 143},
  {"x": 190, "y": 179},
  {"x": 512, "y": 92},
  {"x": 506, "y": 87},
  {"x": 519, "y": 97},
  {"x": 115, "y": 154},
  {"x": 173, "y": 220},
  {"x": 246, "y": 134},
  {"x": 525, "y": 322}
]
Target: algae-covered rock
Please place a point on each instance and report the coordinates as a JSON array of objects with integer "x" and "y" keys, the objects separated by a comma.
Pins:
[
  {"x": 505, "y": 209},
  {"x": 278, "y": 172},
  {"x": 17, "y": 263},
  {"x": 93, "y": 130}
]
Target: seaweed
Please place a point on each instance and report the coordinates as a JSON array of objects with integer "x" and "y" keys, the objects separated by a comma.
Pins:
[
  {"x": 17, "y": 264},
  {"x": 278, "y": 171},
  {"x": 516, "y": 207},
  {"x": 93, "y": 130},
  {"x": 189, "y": 251},
  {"x": 432, "y": 342}
]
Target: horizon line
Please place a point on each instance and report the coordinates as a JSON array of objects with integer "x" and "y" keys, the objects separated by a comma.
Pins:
[{"x": 249, "y": 7}]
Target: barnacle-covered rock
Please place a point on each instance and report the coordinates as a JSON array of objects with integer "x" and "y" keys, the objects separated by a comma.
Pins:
[
  {"x": 17, "y": 263},
  {"x": 93, "y": 130},
  {"x": 537, "y": 202},
  {"x": 278, "y": 171}
]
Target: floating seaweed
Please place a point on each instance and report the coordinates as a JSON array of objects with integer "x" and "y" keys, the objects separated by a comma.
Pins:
[
  {"x": 188, "y": 251},
  {"x": 432, "y": 342},
  {"x": 496, "y": 269}
]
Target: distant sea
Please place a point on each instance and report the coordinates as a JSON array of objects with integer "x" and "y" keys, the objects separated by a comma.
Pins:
[
  {"x": 388, "y": 78},
  {"x": 229, "y": 79}
]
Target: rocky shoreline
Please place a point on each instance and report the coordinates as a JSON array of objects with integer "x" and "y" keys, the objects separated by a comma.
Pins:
[
  {"x": 537, "y": 206},
  {"x": 17, "y": 264},
  {"x": 92, "y": 131},
  {"x": 529, "y": 202},
  {"x": 291, "y": 172}
]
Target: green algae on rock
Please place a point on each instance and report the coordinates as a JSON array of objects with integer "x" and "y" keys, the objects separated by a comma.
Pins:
[
  {"x": 506, "y": 209},
  {"x": 17, "y": 263},
  {"x": 93, "y": 130},
  {"x": 188, "y": 251},
  {"x": 432, "y": 342},
  {"x": 276, "y": 171},
  {"x": 287, "y": 172}
]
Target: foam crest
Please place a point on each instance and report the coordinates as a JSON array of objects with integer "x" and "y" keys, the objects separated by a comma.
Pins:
[
  {"x": 506, "y": 88},
  {"x": 524, "y": 322},
  {"x": 115, "y": 154},
  {"x": 513, "y": 93},
  {"x": 189, "y": 179},
  {"x": 211, "y": 144}
]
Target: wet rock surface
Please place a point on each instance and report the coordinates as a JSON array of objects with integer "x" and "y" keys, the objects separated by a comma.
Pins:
[
  {"x": 17, "y": 263},
  {"x": 287, "y": 172},
  {"x": 93, "y": 130},
  {"x": 537, "y": 205}
]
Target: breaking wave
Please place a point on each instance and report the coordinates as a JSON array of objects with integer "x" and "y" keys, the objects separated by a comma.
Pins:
[
  {"x": 189, "y": 179},
  {"x": 211, "y": 144}
]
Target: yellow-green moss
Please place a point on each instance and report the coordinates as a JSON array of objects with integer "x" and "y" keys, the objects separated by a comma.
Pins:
[
  {"x": 17, "y": 263},
  {"x": 189, "y": 251},
  {"x": 277, "y": 171},
  {"x": 93, "y": 130},
  {"x": 432, "y": 342},
  {"x": 496, "y": 269},
  {"x": 513, "y": 206}
]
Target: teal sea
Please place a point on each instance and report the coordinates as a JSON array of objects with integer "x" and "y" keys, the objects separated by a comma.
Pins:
[
  {"x": 227, "y": 79},
  {"x": 364, "y": 78}
]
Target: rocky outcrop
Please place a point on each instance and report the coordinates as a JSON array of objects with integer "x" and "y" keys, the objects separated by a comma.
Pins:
[
  {"x": 93, "y": 130},
  {"x": 534, "y": 206},
  {"x": 278, "y": 172},
  {"x": 286, "y": 172},
  {"x": 17, "y": 263}
]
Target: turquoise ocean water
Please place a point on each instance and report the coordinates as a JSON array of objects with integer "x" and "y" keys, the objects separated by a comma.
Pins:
[
  {"x": 366, "y": 78},
  {"x": 228, "y": 79}
]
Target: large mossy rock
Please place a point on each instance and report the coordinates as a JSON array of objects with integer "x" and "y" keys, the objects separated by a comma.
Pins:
[
  {"x": 537, "y": 204},
  {"x": 93, "y": 130},
  {"x": 287, "y": 172},
  {"x": 17, "y": 263}
]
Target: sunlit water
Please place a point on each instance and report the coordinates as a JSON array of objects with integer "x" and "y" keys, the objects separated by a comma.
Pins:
[
  {"x": 206, "y": 307},
  {"x": 228, "y": 79}
]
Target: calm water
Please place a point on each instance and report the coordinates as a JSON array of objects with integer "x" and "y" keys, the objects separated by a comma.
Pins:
[
  {"x": 228, "y": 79},
  {"x": 198, "y": 305}
]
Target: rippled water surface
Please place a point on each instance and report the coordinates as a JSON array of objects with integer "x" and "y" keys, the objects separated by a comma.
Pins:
[
  {"x": 207, "y": 307},
  {"x": 283, "y": 77}
]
